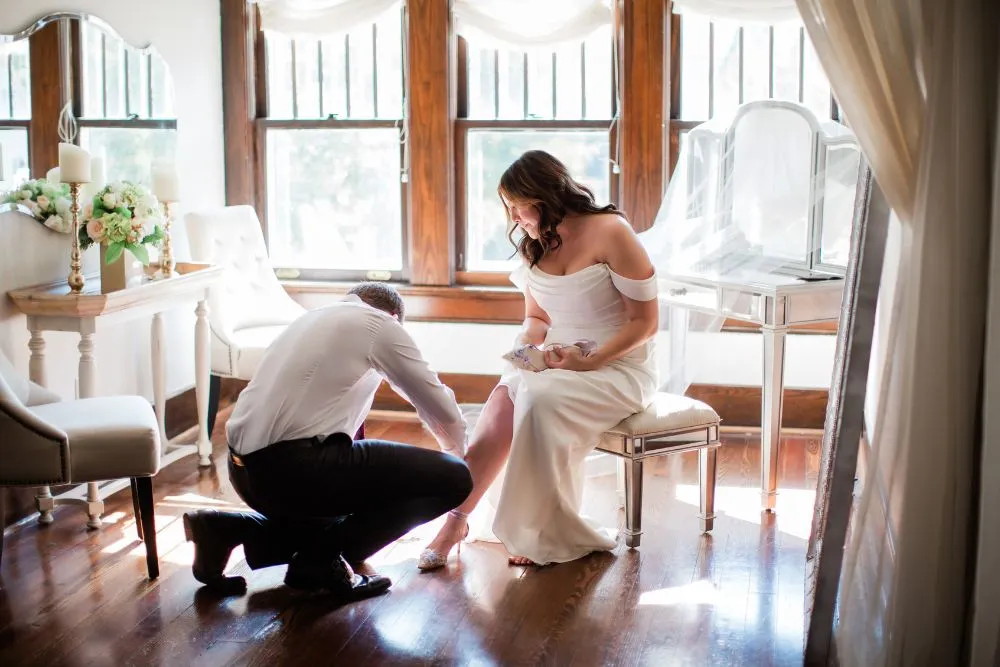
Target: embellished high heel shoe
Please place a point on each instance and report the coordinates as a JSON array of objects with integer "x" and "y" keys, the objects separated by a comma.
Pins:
[{"x": 432, "y": 560}]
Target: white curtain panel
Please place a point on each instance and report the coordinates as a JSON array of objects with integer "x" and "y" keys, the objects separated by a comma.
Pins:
[
  {"x": 523, "y": 25},
  {"x": 319, "y": 18},
  {"x": 917, "y": 82},
  {"x": 744, "y": 11}
]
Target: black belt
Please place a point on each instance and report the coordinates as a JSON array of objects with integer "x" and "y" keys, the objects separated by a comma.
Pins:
[{"x": 315, "y": 441}]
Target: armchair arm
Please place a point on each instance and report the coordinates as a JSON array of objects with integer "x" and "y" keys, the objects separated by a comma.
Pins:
[{"x": 32, "y": 451}]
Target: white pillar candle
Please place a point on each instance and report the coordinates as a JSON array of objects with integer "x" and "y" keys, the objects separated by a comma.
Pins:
[
  {"x": 52, "y": 175},
  {"x": 74, "y": 164},
  {"x": 166, "y": 186},
  {"x": 98, "y": 176}
]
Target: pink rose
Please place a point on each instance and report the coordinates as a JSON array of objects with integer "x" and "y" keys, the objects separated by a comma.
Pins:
[{"x": 95, "y": 229}]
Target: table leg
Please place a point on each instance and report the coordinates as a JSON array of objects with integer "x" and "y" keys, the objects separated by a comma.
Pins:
[
  {"x": 677, "y": 373},
  {"x": 36, "y": 372},
  {"x": 773, "y": 391},
  {"x": 87, "y": 375},
  {"x": 202, "y": 343},
  {"x": 159, "y": 378}
]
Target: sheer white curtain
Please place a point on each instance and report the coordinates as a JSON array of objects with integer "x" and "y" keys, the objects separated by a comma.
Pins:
[
  {"x": 766, "y": 11},
  {"x": 319, "y": 17},
  {"x": 526, "y": 24},
  {"x": 917, "y": 82}
]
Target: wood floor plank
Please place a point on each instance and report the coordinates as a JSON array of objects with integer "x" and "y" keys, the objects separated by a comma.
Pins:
[{"x": 69, "y": 596}]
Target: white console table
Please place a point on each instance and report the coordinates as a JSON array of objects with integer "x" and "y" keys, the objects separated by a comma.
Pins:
[
  {"x": 54, "y": 308},
  {"x": 775, "y": 303}
]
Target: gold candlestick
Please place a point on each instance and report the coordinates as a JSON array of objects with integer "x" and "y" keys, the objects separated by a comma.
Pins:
[
  {"x": 167, "y": 256},
  {"x": 75, "y": 279}
]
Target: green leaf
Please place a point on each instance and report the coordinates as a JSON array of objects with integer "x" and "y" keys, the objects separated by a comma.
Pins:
[
  {"x": 113, "y": 252},
  {"x": 124, "y": 212},
  {"x": 140, "y": 253}
]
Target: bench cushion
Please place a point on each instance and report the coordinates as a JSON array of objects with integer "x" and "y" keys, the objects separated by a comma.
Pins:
[{"x": 667, "y": 412}]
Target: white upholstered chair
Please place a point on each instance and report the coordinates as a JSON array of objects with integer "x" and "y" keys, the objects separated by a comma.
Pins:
[
  {"x": 249, "y": 308},
  {"x": 46, "y": 441},
  {"x": 670, "y": 425}
]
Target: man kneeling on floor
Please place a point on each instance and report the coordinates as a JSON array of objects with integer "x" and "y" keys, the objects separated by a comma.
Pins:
[{"x": 325, "y": 502}]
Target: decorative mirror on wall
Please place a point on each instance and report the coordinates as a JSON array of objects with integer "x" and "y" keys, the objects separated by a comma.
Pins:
[{"x": 121, "y": 96}]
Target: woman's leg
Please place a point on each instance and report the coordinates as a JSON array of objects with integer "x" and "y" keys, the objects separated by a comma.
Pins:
[{"x": 488, "y": 449}]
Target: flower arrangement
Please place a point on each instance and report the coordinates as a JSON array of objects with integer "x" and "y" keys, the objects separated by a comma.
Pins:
[
  {"x": 48, "y": 202},
  {"x": 122, "y": 216}
]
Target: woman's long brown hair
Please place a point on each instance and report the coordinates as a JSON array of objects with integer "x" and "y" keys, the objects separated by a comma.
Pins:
[{"x": 541, "y": 180}]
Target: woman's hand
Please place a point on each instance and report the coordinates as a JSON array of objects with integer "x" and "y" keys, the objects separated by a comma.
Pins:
[{"x": 569, "y": 358}]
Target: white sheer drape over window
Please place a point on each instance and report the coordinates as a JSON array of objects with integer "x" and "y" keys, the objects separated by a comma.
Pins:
[
  {"x": 319, "y": 18},
  {"x": 521, "y": 25},
  {"x": 764, "y": 11}
]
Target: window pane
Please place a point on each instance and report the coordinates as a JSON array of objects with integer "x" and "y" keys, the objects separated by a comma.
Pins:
[
  {"x": 15, "y": 157},
  {"x": 129, "y": 153},
  {"x": 354, "y": 75},
  {"x": 15, "y": 81},
  {"x": 121, "y": 81},
  {"x": 334, "y": 199},
  {"x": 307, "y": 78},
  {"x": 721, "y": 70},
  {"x": 490, "y": 152},
  {"x": 571, "y": 82}
]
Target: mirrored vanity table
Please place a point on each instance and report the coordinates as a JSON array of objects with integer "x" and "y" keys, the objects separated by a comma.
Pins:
[
  {"x": 774, "y": 302},
  {"x": 54, "y": 308}
]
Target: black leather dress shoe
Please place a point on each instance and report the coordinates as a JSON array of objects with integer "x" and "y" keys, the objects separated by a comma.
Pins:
[
  {"x": 215, "y": 534},
  {"x": 336, "y": 578}
]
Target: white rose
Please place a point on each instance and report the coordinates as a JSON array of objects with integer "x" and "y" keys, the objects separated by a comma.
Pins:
[
  {"x": 117, "y": 187},
  {"x": 110, "y": 201},
  {"x": 57, "y": 223},
  {"x": 25, "y": 194},
  {"x": 43, "y": 201},
  {"x": 62, "y": 206}
]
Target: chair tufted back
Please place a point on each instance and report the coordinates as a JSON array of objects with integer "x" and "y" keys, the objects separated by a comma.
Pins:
[{"x": 250, "y": 294}]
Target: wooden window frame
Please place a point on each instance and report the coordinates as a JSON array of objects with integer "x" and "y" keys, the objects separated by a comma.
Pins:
[{"x": 434, "y": 232}]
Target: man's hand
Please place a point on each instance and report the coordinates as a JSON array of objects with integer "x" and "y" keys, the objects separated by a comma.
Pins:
[{"x": 569, "y": 358}]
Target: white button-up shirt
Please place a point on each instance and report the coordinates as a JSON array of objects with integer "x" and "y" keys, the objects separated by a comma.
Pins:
[{"x": 319, "y": 377}]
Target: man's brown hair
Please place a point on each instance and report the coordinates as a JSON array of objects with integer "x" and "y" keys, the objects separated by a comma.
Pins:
[{"x": 381, "y": 296}]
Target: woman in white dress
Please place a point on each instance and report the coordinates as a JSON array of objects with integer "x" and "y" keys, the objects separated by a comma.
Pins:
[{"x": 585, "y": 277}]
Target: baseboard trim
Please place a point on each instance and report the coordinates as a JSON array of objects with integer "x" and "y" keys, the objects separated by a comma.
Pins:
[{"x": 737, "y": 405}]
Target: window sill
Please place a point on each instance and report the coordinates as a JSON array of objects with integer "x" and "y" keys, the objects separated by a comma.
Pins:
[
  {"x": 427, "y": 303},
  {"x": 471, "y": 303}
]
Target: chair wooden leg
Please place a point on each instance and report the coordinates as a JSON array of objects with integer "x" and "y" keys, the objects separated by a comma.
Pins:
[
  {"x": 136, "y": 508},
  {"x": 707, "y": 465},
  {"x": 633, "y": 502},
  {"x": 144, "y": 487},
  {"x": 214, "y": 389}
]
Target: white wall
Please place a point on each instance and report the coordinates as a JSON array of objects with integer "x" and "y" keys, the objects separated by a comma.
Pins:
[{"x": 187, "y": 34}]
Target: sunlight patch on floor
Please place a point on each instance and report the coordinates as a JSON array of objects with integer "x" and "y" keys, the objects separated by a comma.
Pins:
[{"x": 794, "y": 506}]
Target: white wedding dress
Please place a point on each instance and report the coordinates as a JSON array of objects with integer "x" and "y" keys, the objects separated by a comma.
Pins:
[{"x": 559, "y": 416}]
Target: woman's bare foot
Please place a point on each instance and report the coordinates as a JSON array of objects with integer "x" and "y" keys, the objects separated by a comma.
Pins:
[{"x": 520, "y": 560}]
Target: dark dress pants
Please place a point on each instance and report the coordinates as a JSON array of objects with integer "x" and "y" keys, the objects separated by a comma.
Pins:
[{"x": 340, "y": 496}]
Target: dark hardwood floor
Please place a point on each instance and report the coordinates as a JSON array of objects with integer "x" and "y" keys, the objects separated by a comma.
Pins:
[{"x": 69, "y": 596}]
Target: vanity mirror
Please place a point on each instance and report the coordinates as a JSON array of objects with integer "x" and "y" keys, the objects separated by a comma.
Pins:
[{"x": 121, "y": 96}]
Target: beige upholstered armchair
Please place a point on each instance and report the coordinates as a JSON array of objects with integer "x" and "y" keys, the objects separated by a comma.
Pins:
[
  {"x": 46, "y": 441},
  {"x": 250, "y": 308}
]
